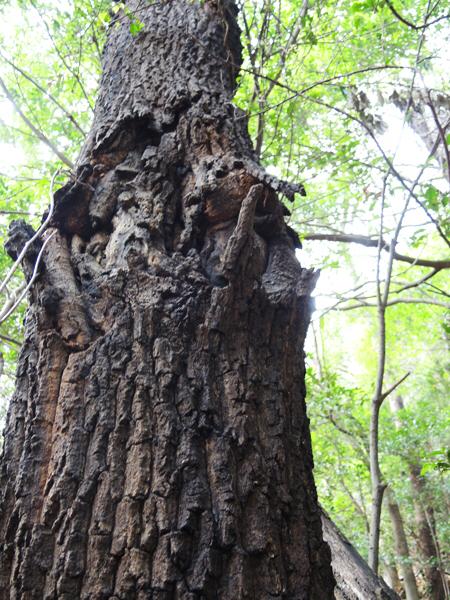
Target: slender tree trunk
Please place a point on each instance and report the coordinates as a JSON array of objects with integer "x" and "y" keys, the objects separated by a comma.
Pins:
[
  {"x": 401, "y": 543},
  {"x": 401, "y": 546},
  {"x": 392, "y": 578},
  {"x": 427, "y": 537},
  {"x": 424, "y": 519},
  {"x": 157, "y": 444},
  {"x": 378, "y": 486}
]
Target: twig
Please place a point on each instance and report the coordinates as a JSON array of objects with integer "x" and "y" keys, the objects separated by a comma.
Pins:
[
  {"x": 12, "y": 297},
  {"x": 9, "y": 339},
  {"x": 14, "y": 212},
  {"x": 392, "y": 388},
  {"x": 441, "y": 133},
  {"x": 62, "y": 57},
  {"x": 417, "y": 282},
  {"x": 373, "y": 243},
  {"x": 30, "y": 283},
  {"x": 36, "y": 131},
  {"x": 408, "y": 24},
  {"x": 399, "y": 301},
  {"x": 35, "y": 236},
  {"x": 46, "y": 92}
]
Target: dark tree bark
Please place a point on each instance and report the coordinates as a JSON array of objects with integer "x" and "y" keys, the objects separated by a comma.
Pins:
[
  {"x": 355, "y": 580},
  {"x": 157, "y": 444}
]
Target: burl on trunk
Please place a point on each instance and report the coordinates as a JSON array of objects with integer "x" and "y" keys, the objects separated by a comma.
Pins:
[{"x": 157, "y": 444}]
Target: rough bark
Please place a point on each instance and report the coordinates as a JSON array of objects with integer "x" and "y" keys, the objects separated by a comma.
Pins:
[
  {"x": 401, "y": 547},
  {"x": 422, "y": 120},
  {"x": 424, "y": 518},
  {"x": 355, "y": 580},
  {"x": 157, "y": 444},
  {"x": 427, "y": 537}
]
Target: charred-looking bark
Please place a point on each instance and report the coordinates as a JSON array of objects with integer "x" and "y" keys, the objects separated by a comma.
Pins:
[
  {"x": 157, "y": 445},
  {"x": 355, "y": 580}
]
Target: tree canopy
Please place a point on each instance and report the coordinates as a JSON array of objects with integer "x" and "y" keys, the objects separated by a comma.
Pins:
[{"x": 352, "y": 99}]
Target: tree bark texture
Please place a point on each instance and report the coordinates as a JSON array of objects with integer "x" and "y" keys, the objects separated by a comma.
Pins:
[
  {"x": 157, "y": 444},
  {"x": 428, "y": 543},
  {"x": 392, "y": 578},
  {"x": 401, "y": 547},
  {"x": 355, "y": 580},
  {"x": 422, "y": 121},
  {"x": 427, "y": 537}
]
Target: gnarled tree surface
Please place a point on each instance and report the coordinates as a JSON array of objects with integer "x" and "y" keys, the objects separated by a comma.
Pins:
[
  {"x": 157, "y": 445},
  {"x": 355, "y": 580}
]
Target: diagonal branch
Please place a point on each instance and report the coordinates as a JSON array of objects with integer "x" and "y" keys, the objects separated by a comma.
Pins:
[
  {"x": 416, "y": 283},
  {"x": 36, "y": 131},
  {"x": 30, "y": 283},
  {"x": 373, "y": 243},
  {"x": 398, "y": 301},
  {"x": 6, "y": 338},
  {"x": 392, "y": 388},
  {"x": 408, "y": 23},
  {"x": 46, "y": 92},
  {"x": 35, "y": 236}
]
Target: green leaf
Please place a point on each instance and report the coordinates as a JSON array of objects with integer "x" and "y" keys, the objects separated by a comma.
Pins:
[
  {"x": 442, "y": 465},
  {"x": 426, "y": 468},
  {"x": 436, "y": 453}
]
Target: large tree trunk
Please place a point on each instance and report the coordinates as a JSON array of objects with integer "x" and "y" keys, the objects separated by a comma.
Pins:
[{"x": 157, "y": 445}]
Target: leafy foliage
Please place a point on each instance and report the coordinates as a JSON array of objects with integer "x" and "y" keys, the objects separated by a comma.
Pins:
[
  {"x": 353, "y": 99},
  {"x": 442, "y": 464}
]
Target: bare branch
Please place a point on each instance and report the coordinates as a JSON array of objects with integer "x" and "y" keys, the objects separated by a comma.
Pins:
[
  {"x": 35, "y": 236},
  {"x": 46, "y": 92},
  {"x": 14, "y": 212},
  {"x": 9, "y": 339},
  {"x": 416, "y": 283},
  {"x": 11, "y": 299},
  {"x": 408, "y": 24},
  {"x": 373, "y": 243},
  {"x": 392, "y": 388},
  {"x": 399, "y": 301},
  {"x": 36, "y": 131},
  {"x": 30, "y": 283}
]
